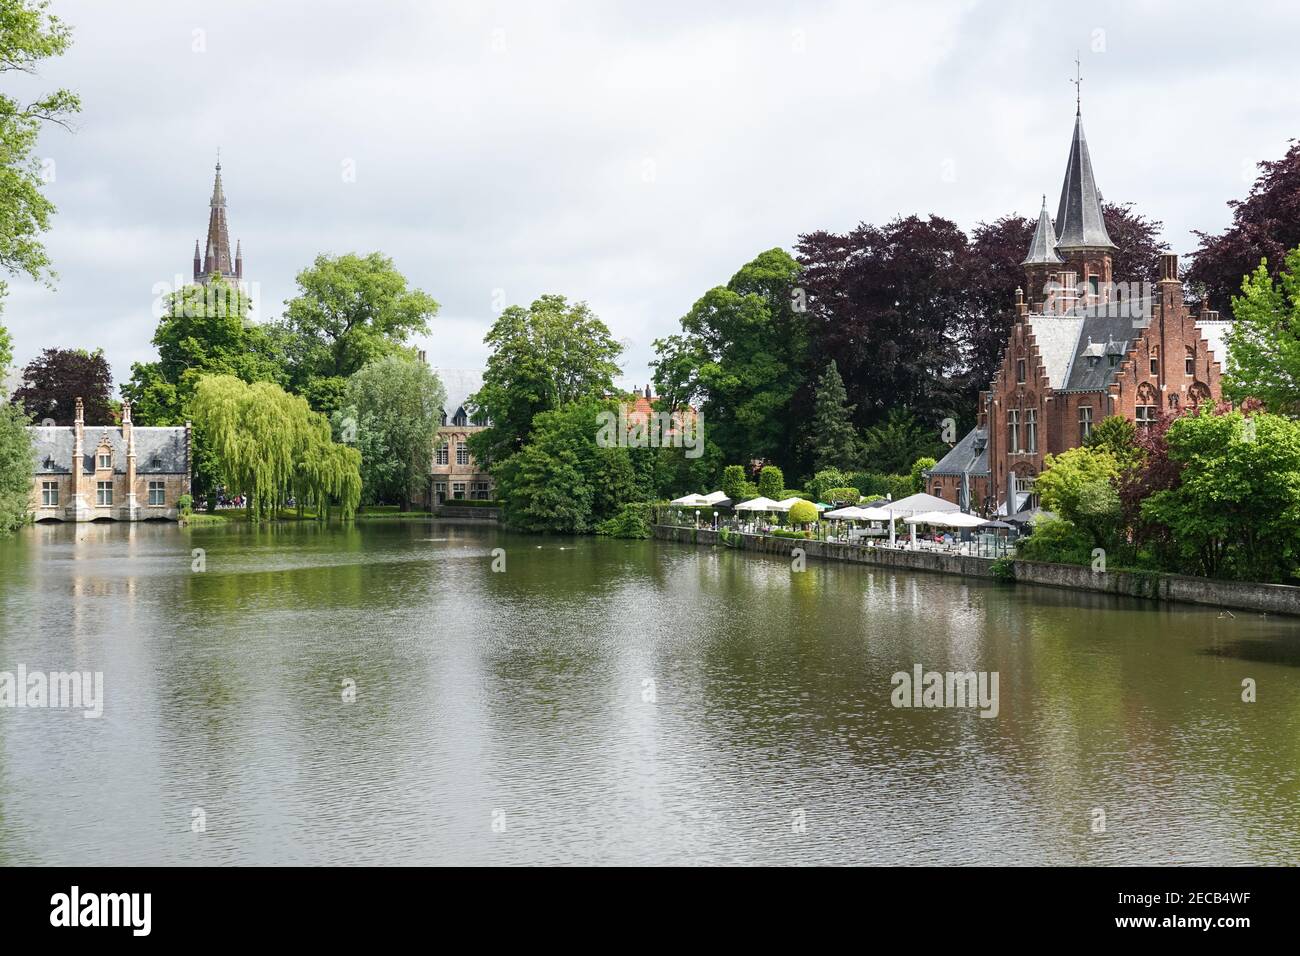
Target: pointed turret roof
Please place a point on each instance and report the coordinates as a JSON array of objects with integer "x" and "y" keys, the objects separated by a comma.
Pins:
[
  {"x": 1079, "y": 223},
  {"x": 1042, "y": 248},
  {"x": 218, "y": 249}
]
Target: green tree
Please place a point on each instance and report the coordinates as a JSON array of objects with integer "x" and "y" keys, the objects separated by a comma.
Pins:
[
  {"x": 6, "y": 352},
  {"x": 918, "y": 478},
  {"x": 833, "y": 441},
  {"x": 1264, "y": 342},
  {"x": 802, "y": 513},
  {"x": 1235, "y": 511},
  {"x": 1117, "y": 436},
  {"x": 733, "y": 482},
  {"x": 892, "y": 445},
  {"x": 269, "y": 445},
  {"x": 740, "y": 359},
  {"x": 392, "y": 408},
  {"x": 771, "y": 482},
  {"x": 29, "y": 33},
  {"x": 15, "y": 467},
  {"x": 202, "y": 330},
  {"x": 350, "y": 310},
  {"x": 545, "y": 356},
  {"x": 1079, "y": 487}
]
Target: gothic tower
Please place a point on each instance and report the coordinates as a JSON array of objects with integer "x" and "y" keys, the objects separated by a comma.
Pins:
[{"x": 216, "y": 260}]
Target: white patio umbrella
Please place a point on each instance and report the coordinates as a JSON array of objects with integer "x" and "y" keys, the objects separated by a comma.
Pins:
[
  {"x": 915, "y": 504},
  {"x": 759, "y": 504},
  {"x": 787, "y": 503},
  {"x": 850, "y": 513},
  {"x": 717, "y": 498},
  {"x": 691, "y": 501},
  {"x": 875, "y": 514}
]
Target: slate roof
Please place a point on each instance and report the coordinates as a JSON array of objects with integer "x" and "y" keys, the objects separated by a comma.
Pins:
[
  {"x": 158, "y": 451},
  {"x": 1056, "y": 336},
  {"x": 1079, "y": 222},
  {"x": 968, "y": 456},
  {"x": 1042, "y": 248}
]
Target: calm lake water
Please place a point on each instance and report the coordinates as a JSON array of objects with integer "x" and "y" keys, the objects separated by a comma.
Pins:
[{"x": 503, "y": 717}]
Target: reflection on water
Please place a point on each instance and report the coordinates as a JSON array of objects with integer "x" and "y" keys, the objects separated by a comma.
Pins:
[{"x": 610, "y": 701}]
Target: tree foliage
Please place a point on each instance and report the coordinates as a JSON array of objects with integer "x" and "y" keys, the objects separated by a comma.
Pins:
[
  {"x": 771, "y": 482},
  {"x": 15, "y": 467},
  {"x": 892, "y": 445},
  {"x": 54, "y": 380},
  {"x": 1264, "y": 226},
  {"x": 548, "y": 355},
  {"x": 1264, "y": 342},
  {"x": 561, "y": 481},
  {"x": 739, "y": 359},
  {"x": 833, "y": 440},
  {"x": 269, "y": 445},
  {"x": 29, "y": 33},
  {"x": 392, "y": 408},
  {"x": 350, "y": 310},
  {"x": 1235, "y": 509}
]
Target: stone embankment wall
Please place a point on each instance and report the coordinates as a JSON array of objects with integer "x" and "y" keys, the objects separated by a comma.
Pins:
[{"x": 1270, "y": 598}]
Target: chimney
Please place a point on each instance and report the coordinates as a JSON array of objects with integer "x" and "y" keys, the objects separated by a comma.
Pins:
[
  {"x": 421, "y": 356},
  {"x": 1169, "y": 267},
  {"x": 647, "y": 392},
  {"x": 127, "y": 432},
  {"x": 79, "y": 418}
]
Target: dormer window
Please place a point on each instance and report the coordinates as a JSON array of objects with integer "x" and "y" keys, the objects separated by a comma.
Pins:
[{"x": 105, "y": 460}]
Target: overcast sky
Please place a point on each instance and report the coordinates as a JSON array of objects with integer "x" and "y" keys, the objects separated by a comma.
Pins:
[{"x": 629, "y": 154}]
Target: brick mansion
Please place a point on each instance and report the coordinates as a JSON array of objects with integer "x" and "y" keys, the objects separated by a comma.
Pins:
[{"x": 1081, "y": 348}]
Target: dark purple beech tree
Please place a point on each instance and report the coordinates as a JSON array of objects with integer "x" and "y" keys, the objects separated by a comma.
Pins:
[
  {"x": 54, "y": 380},
  {"x": 886, "y": 303},
  {"x": 1265, "y": 225}
]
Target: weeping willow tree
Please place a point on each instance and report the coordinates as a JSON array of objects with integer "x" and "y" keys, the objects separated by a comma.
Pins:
[{"x": 269, "y": 445}]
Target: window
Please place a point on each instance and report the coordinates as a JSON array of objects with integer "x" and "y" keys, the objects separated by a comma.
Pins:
[
  {"x": 1020, "y": 371},
  {"x": 440, "y": 456},
  {"x": 458, "y": 490},
  {"x": 1085, "y": 422},
  {"x": 49, "y": 494},
  {"x": 1189, "y": 366},
  {"x": 157, "y": 490},
  {"x": 1155, "y": 361},
  {"x": 461, "y": 419},
  {"x": 1095, "y": 287},
  {"x": 440, "y": 491},
  {"x": 480, "y": 491},
  {"x": 1013, "y": 431},
  {"x": 1146, "y": 415},
  {"x": 462, "y": 453},
  {"x": 1113, "y": 359},
  {"x": 105, "y": 459},
  {"x": 103, "y": 493},
  {"x": 1031, "y": 429},
  {"x": 1025, "y": 485}
]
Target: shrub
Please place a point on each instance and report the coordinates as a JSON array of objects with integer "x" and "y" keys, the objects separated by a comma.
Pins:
[
  {"x": 185, "y": 505},
  {"x": 918, "y": 466},
  {"x": 733, "y": 482},
  {"x": 785, "y": 533},
  {"x": 803, "y": 512},
  {"x": 771, "y": 482},
  {"x": 1055, "y": 539},
  {"x": 632, "y": 521},
  {"x": 747, "y": 491},
  {"x": 819, "y": 485},
  {"x": 1004, "y": 569},
  {"x": 842, "y": 495}
]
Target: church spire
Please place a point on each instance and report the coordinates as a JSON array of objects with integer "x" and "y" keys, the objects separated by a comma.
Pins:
[
  {"x": 1079, "y": 223},
  {"x": 1042, "y": 248},
  {"x": 218, "y": 260}
]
